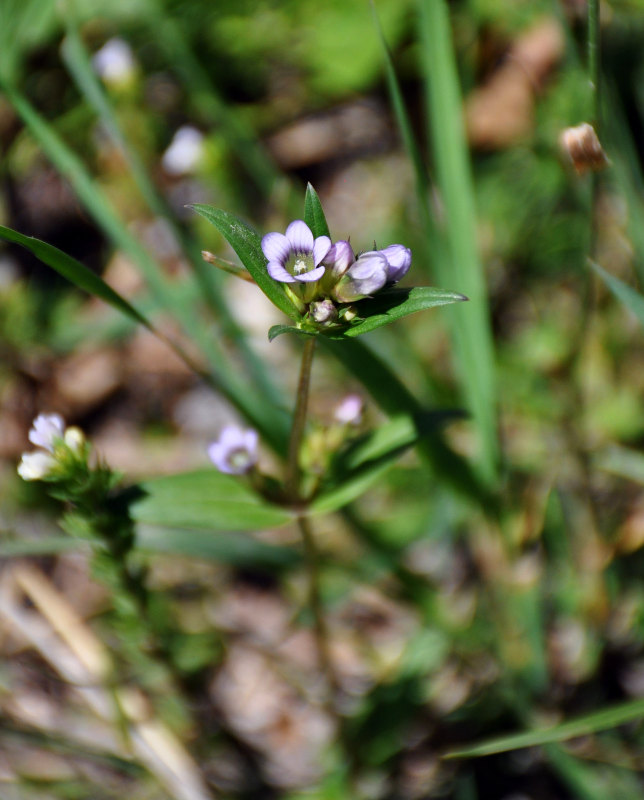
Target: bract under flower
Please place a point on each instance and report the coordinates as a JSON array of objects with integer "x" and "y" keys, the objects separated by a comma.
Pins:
[
  {"x": 295, "y": 256},
  {"x": 235, "y": 452}
]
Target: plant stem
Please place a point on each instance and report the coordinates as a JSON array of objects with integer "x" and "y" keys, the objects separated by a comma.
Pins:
[
  {"x": 594, "y": 63},
  {"x": 299, "y": 421},
  {"x": 312, "y": 559}
]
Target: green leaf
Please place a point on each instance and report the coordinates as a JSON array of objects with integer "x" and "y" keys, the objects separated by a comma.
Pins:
[
  {"x": 633, "y": 301},
  {"x": 621, "y": 461},
  {"x": 394, "y": 304},
  {"x": 278, "y": 330},
  {"x": 247, "y": 243},
  {"x": 582, "y": 726},
  {"x": 395, "y": 399},
  {"x": 206, "y": 500},
  {"x": 314, "y": 214},
  {"x": 75, "y": 272},
  {"x": 238, "y": 549}
]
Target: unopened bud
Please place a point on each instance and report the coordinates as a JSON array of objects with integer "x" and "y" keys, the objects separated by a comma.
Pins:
[
  {"x": 582, "y": 146},
  {"x": 323, "y": 311}
]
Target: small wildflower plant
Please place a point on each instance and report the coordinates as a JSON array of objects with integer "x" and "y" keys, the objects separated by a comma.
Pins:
[{"x": 324, "y": 286}]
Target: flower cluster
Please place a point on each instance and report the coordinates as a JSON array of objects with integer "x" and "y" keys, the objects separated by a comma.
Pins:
[
  {"x": 321, "y": 275},
  {"x": 57, "y": 443}
]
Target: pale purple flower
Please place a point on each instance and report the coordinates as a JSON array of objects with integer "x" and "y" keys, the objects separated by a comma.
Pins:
[
  {"x": 399, "y": 260},
  {"x": 35, "y": 466},
  {"x": 339, "y": 258},
  {"x": 235, "y": 452},
  {"x": 296, "y": 255},
  {"x": 364, "y": 277},
  {"x": 349, "y": 410},
  {"x": 46, "y": 430}
]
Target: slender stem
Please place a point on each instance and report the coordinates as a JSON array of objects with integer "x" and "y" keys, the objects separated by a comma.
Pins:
[
  {"x": 312, "y": 558},
  {"x": 299, "y": 421},
  {"x": 594, "y": 60}
]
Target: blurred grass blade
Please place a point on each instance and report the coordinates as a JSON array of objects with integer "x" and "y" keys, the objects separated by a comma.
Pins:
[
  {"x": 633, "y": 301},
  {"x": 314, "y": 213},
  {"x": 75, "y": 272},
  {"x": 79, "y": 64},
  {"x": 462, "y": 268},
  {"x": 621, "y": 461},
  {"x": 582, "y": 726},
  {"x": 247, "y": 243},
  {"x": 50, "y": 545},
  {"x": 167, "y": 30},
  {"x": 272, "y": 422}
]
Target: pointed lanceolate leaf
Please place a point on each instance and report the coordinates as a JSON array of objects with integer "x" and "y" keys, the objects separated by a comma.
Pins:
[
  {"x": 394, "y": 304},
  {"x": 74, "y": 271},
  {"x": 314, "y": 214},
  {"x": 208, "y": 500},
  {"x": 247, "y": 243},
  {"x": 633, "y": 300}
]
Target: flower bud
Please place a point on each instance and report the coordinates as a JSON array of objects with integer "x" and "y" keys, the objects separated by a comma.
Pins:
[
  {"x": 349, "y": 411},
  {"x": 366, "y": 276},
  {"x": 583, "y": 148},
  {"x": 339, "y": 259},
  {"x": 74, "y": 439},
  {"x": 323, "y": 311},
  {"x": 399, "y": 259}
]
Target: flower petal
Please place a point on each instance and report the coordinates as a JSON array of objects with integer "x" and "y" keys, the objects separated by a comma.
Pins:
[
  {"x": 276, "y": 247},
  {"x": 299, "y": 235},
  {"x": 311, "y": 275},
  {"x": 46, "y": 429},
  {"x": 399, "y": 259},
  {"x": 278, "y": 273},
  {"x": 321, "y": 247}
]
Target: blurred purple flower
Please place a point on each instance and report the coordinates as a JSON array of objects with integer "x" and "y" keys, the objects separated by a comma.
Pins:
[
  {"x": 235, "y": 452},
  {"x": 349, "y": 410},
  {"x": 36, "y": 465},
  {"x": 46, "y": 430},
  {"x": 399, "y": 260},
  {"x": 296, "y": 255},
  {"x": 364, "y": 277}
]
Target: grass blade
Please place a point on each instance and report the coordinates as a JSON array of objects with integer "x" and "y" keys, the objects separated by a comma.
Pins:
[
  {"x": 462, "y": 268},
  {"x": 582, "y": 726}
]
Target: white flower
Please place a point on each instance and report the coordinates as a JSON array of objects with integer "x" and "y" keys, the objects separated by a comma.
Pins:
[
  {"x": 46, "y": 430},
  {"x": 185, "y": 151},
  {"x": 114, "y": 62},
  {"x": 35, "y": 466}
]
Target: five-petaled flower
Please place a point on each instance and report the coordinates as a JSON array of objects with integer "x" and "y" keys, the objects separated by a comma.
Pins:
[
  {"x": 296, "y": 255},
  {"x": 235, "y": 452}
]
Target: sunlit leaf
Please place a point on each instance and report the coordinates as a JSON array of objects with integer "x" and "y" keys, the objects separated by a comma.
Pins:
[{"x": 314, "y": 214}]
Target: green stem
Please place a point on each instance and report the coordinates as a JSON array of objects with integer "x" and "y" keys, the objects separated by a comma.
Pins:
[
  {"x": 322, "y": 639},
  {"x": 299, "y": 422},
  {"x": 594, "y": 60}
]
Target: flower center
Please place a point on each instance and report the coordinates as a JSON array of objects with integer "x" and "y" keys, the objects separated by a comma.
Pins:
[
  {"x": 239, "y": 458},
  {"x": 301, "y": 266}
]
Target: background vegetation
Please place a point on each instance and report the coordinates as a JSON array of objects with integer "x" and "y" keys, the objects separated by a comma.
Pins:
[{"x": 489, "y": 584}]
